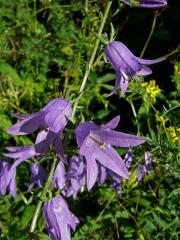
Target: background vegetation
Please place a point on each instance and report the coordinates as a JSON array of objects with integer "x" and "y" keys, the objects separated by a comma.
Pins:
[{"x": 44, "y": 48}]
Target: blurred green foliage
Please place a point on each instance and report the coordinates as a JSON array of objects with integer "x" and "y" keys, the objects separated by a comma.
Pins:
[{"x": 44, "y": 49}]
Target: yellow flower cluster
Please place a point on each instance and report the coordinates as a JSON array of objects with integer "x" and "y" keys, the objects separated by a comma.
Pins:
[
  {"x": 160, "y": 118},
  {"x": 152, "y": 89},
  {"x": 174, "y": 133}
]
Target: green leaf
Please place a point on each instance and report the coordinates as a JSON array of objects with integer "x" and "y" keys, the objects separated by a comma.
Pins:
[
  {"x": 122, "y": 214},
  {"x": 27, "y": 216},
  {"x": 7, "y": 70}
]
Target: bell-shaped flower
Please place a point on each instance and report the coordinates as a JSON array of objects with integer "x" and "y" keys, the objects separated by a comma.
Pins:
[
  {"x": 51, "y": 120},
  {"x": 126, "y": 64},
  {"x": 146, "y": 3},
  {"x": 20, "y": 154},
  {"x": 148, "y": 161},
  {"x": 59, "y": 176},
  {"x": 59, "y": 219},
  {"x": 141, "y": 172},
  {"x": 38, "y": 176},
  {"x": 96, "y": 143},
  {"x": 116, "y": 181},
  {"x": 146, "y": 168},
  {"x": 77, "y": 173},
  {"x": 7, "y": 178}
]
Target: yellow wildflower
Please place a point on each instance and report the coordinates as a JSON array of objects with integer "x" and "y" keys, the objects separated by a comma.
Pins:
[
  {"x": 174, "y": 134},
  {"x": 152, "y": 89},
  {"x": 160, "y": 118}
]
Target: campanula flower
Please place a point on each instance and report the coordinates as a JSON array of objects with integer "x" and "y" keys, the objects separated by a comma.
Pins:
[
  {"x": 77, "y": 173},
  {"x": 51, "y": 120},
  {"x": 146, "y": 167},
  {"x": 126, "y": 64},
  {"x": 38, "y": 176},
  {"x": 96, "y": 143},
  {"x": 7, "y": 178},
  {"x": 20, "y": 154},
  {"x": 146, "y": 3},
  {"x": 141, "y": 172},
  {"x": 59, "y": 176},
  {"x": 148, "y": 161},
  {"x": 59, "y": 219}
]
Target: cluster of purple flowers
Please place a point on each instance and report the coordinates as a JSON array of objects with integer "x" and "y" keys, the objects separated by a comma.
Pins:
[
  {"x": 97, "y": 157},
  {"x": 98, "y": 160}
]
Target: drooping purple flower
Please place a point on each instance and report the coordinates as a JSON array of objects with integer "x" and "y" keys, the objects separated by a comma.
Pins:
[
  {"x": 116, "y": 181},
  {"x": 7, "y": 178},
  {"x": 38, "y": 176},
  {"x": 141, "y": 172},
  {"x": 8, "y": 173},
  {"x": 146, "y": 3},
  {"x": 96, "y": 143},
  {"x": 77, "y": 173},
  {"x": 59, "y": 219},
  {"x": 148, "y": 161},
  {"x": 51, "y": 119},
  {"x": 60, "y": 176},
  {"x": 126, "y": 64},
  {"x": 146, "y": 168},
  {"x": 128, "y": 158}
]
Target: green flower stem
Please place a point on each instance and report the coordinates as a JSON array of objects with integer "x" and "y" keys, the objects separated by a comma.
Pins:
[
  {"x": 151, "y": 33},
  {"x": 136, "y": 118},
  {"x": 42, "y": 197},
  {"x": 89, "y": 66}
]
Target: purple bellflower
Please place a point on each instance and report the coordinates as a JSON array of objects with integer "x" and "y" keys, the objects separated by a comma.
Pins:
[
  {"x": 96, "y": 143},
  {"x": 126, "y": 64},
  {"x": 8, "y": 173},
  {"x": 7, "y": 178},
  {"x": 148, "y": 161},
  {"x": 77, "y": 173},
  {"x": 141, "y": 172},
  {"x": 146, "y": 168},
  {"x": 146, "y": 3},
  {"x": 38, "y": 176},
  {"x": 51, "y": 120},
  {"x": 60, "y": 176},
  {"x": 59, "y": 219}
]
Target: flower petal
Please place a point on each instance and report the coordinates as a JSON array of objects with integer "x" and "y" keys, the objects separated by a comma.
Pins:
[
  {"x": 149, "y": 62},
  {"x": 115, "y": 138},
  {"x": 110, "y": 159},
  {"x": 112, "y": 123},
  {"x": 144, "y": 71},
  {"x": 27, "y": 126}
]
